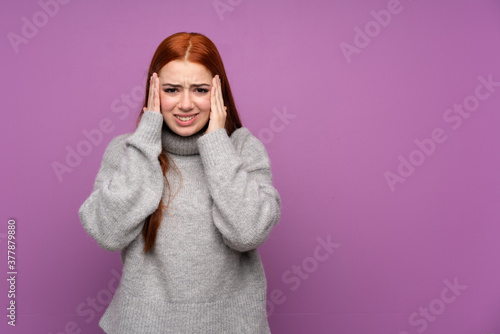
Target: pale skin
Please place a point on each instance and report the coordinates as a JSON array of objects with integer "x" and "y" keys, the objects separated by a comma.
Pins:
[{"x": 184, "y": 90}]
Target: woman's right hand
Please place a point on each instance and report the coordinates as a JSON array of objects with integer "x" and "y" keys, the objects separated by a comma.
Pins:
[{"x": 154, "y": 94}]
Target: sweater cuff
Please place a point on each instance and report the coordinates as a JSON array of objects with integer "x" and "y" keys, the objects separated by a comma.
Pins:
[
  {"x": 216, "y": 148},
  {"x": 148, "y": 132}
]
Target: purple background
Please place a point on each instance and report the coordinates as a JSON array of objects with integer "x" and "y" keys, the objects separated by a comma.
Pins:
[{"x": 333, "y": 126}]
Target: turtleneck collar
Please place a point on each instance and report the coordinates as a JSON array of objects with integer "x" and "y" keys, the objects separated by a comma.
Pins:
[{"x": 175, "y": 144}]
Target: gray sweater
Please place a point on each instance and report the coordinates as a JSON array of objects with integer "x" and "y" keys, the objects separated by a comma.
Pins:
[{"x": 204, "y": 274}]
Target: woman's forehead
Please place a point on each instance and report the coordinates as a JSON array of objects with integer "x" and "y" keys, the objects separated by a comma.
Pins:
[{"x": 180, "y": 70}]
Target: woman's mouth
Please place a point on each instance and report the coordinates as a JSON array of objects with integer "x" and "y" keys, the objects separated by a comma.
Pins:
[{"x": 185, "y": 120}]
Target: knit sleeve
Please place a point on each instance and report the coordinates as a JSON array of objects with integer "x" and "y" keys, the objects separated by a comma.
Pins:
[
  {"x": 246, "y": 205},
  {"x": 128, "y": 186}
]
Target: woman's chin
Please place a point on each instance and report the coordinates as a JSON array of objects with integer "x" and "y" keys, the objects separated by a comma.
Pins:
[{"x": 186, "y": 131}]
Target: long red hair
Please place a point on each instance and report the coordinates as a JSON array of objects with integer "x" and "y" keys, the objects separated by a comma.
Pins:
[{"x": 196, "y": 48}]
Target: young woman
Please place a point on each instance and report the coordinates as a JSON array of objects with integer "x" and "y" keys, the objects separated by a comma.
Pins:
[{"x": 187, "y": 198}]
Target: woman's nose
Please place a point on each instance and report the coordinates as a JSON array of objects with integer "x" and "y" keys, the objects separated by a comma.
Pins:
[{"x": 186, "y": 102}]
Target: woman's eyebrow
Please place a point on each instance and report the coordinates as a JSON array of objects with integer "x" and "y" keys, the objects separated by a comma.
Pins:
[{"x": 193, "y": 85}]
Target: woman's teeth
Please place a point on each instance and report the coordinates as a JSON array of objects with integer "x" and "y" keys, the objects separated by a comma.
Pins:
[{"x": 184, "y": 119}]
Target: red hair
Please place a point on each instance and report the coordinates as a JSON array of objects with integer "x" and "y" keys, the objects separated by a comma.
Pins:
[{"x": 196, "y": 48}]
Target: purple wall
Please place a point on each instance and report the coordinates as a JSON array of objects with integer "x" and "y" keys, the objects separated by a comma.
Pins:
[{"x": 381, "y": 119}]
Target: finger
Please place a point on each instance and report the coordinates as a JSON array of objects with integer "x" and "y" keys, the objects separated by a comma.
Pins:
[
  {"x": 213, "y": 96},
  {"x": 217, "y": 93},
  {"x": 221, "y": 99},
  {"x": 159, "y": 95},
  {"x": 156, "y": 93},
  {"x": 150, "y": 93}
]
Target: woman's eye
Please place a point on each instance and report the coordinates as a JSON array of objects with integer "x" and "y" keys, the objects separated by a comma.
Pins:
[
  {"x": 202, "y": 90},
  {"x": 169, "y": 90}
]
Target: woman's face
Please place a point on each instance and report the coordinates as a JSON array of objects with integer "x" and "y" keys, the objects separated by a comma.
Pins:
[{"x": 185, "y": 96}]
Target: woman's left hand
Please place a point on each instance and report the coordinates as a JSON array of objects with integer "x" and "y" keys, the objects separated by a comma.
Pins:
[{"x": 217, "y": 110}]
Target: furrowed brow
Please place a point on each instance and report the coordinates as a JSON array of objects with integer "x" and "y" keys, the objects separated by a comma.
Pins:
[{"x": 177, "y": 85}]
